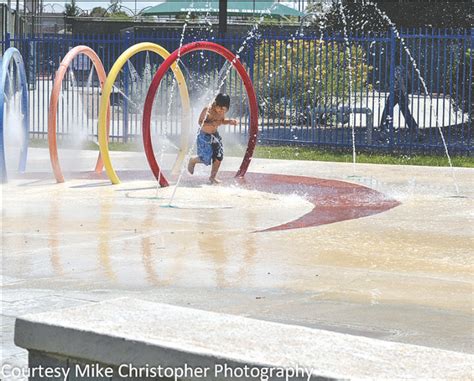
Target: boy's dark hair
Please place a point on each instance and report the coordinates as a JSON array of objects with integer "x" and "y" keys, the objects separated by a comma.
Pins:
[{"x": 222, "y": 100}]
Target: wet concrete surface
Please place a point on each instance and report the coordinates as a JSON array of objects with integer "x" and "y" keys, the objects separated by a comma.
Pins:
[{"x": 404, "y": 274}]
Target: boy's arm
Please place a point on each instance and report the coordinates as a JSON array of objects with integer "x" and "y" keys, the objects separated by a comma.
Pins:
[{"x": 232, "y": 122}]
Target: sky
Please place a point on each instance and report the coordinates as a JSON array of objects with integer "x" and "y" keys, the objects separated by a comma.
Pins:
[
  {"x": 88, "y": 5},
  {"x": 105, "y": 4}
]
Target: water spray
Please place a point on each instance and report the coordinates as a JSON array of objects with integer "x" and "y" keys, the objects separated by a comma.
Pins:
[
  {"x": 65, "y": 68},
  {"x": 107, "y": 90},
  {"x": 423, "y": 83},
  {"x": 13, "y": 56},
  {"x": 196, "y": 46}
]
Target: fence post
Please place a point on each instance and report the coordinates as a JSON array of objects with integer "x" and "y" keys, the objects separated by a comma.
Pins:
[
  {"x": 470, "y": 110},
  {"x": 7, "y": 40},
  {"x": 393, "y": 46},
  {"x": 251, "y": 64},
  {"x": 128, "y": 43},
  {"x": 251, "y": 61},
  {"x": 32, "y": 57}
]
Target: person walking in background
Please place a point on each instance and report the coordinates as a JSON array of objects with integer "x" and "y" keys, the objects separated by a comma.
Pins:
[{"x": 400, "y": 97}]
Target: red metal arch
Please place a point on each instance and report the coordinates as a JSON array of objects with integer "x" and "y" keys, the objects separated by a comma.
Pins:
[{"x": 185, "y": 49}]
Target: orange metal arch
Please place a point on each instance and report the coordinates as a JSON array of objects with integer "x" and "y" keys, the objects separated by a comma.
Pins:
[{"x": 53, "y": 104}]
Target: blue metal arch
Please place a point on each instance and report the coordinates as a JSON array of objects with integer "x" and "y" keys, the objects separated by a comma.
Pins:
[{"x": 14, "y": 54}]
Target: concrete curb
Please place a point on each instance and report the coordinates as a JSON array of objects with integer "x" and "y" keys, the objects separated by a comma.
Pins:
[{"x": 130, "y": 331}]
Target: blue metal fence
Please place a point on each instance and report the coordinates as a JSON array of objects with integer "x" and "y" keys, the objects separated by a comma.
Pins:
[
  {"x": 314, "y": 95},
  {"x": 312, "y": 89}
]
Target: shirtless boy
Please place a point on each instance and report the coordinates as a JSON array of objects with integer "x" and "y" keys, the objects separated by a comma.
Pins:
[{"x": 209, "y": 143}]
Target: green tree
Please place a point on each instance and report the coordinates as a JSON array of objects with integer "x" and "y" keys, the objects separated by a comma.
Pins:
[
  {"x": 71, "y": 9},
  {"x": 119, "y": 15},
  {"x": 314, "y": 6},
  {"x": 115, "y": 6},
  {"x": 98, "y": 12},
  {"x": 406, "y": 13},
  {"x": 116, "y": 11}
]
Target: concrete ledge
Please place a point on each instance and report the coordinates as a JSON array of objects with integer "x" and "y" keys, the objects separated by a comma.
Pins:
[{"x": 145, "y": 334}]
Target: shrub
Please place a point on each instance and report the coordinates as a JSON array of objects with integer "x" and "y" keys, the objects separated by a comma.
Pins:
[
  {"x": 462, "y": 83},
  {"x": 307, "y": 73}
]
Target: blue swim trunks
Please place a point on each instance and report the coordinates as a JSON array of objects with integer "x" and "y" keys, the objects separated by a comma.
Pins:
[{"x": 209, "y": 147}]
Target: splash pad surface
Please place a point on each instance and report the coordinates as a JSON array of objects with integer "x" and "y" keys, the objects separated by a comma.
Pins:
[{"x": 399, "y": 275}]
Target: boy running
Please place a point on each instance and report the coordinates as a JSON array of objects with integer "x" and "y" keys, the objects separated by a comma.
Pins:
[{"x": 209, "y": 143}]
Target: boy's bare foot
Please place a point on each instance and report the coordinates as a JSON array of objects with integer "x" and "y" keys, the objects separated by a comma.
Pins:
[
  {"x": 191, "y": 165},
  {"x": 213, "y": 180}
]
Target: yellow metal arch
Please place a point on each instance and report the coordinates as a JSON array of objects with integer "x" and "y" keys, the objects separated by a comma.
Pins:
[{"x": 105, "y": 99}]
